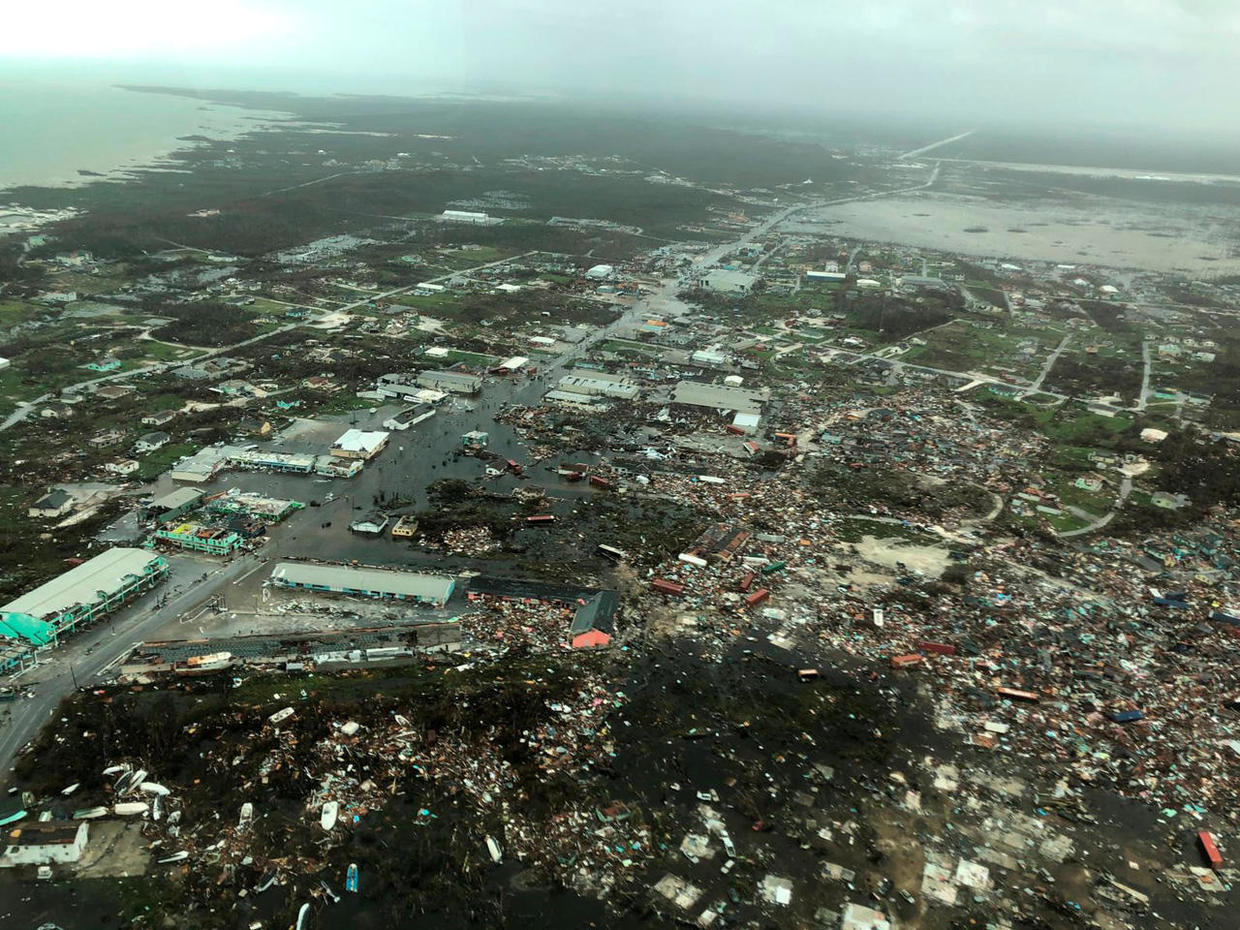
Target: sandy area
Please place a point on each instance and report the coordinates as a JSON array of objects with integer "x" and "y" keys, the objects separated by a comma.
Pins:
[{"x": 931, "y": 561}]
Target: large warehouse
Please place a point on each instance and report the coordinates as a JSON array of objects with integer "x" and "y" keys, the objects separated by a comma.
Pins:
[
  {"x": 720, "y": 397},
  {"x": 81, "y": 595},
  {"x": 365, "y": 582},
  {"x": 454, "y": 382}
]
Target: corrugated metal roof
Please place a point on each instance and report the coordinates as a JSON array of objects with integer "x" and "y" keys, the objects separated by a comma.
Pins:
[
  {"x": 178, "y": 498},
  {"x": 81, "y": 585},
  {"x": 718, "y": 397},
  {"x": 341, "y": 578}
]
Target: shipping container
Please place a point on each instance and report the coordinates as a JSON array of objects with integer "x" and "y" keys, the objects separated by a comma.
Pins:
[
  {"x": 774, "y": 567},
  {"x": 747, "y": 581},
  {"x": 600, "y": 482},
  {"x": 611, "y": 552},
  {"x": 540, "y": 519},
  {"x": 667, "y": 587},
  {"x": 942, "y": 649},
  {"x": 757, "y": 597},
  {"x": 1127, "y": 716},
  {"x": 1017, "y": 695},
  {"x": 913, "y": 658},
  {"x": 1213, "y": 856}
]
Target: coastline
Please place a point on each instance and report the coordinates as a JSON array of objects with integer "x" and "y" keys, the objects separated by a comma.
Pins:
[{"x": 205, "y": 124}]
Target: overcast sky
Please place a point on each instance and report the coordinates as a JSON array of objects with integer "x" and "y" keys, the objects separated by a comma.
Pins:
[{"x": 1162, "y": 63}]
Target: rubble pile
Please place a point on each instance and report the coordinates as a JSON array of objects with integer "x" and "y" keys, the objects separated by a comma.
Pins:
[
  {"x": 504, "y": 625},
  {"x": 470, "y": 540},
  {"x": 347, "y": 771}
]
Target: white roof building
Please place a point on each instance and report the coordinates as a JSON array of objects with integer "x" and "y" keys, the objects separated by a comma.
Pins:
[
  {"x": 726, "y": 281},
  {"x": 360, "y": 444},
  {"x": 599, "y": 384},
  {"x": 465, "y": 216}
]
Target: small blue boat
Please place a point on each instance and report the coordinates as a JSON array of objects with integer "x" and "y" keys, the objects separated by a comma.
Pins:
[{"x": 350, "y": 880}]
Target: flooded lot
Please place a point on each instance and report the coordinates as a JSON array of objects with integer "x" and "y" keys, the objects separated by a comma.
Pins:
[{"x": 1082, "y": 229}]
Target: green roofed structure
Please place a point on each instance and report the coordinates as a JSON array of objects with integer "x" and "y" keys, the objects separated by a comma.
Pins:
[{"x": 77, "y": 598}]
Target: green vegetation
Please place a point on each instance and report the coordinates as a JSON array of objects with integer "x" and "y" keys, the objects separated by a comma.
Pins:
[
  {"x": 473, "y": 359},
  {"x": 1066, "y": 423},
  {"x": 205, "y": 324},
  {"x": 157, "y": 462}
]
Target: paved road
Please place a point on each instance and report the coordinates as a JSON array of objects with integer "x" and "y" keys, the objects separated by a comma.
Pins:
[
  {"x": 934, "y": 145},
  {"x": 1125, "y": 488},
  {"x": 1050, "y": 363},
  {"x": 852, "y": 260},
  {"x": 1145, "y": 376},
  {"x": 983, "y": 379},
  {"x": 87, "y": 654}
]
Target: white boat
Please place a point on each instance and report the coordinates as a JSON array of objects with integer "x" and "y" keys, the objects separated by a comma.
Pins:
[
  {"x": 175, "y": 857},
  {"x": 130, "y": 808},
  {"x": 302, "y": 915},
  {"x": 72, "y": 788},
  {"x": 280, "y": 715},
  {"x": 266, "y": 882},
  {"x": 115, "y": 769},
  {"x": 127, "y": 783},
  {"x": 331, "y": 810},
  {"x": 90, "y": 813},
  {"x": 497, "y": 854},
  {"x": 247, "y": 814},
  {"x": 151, "y": 787}
]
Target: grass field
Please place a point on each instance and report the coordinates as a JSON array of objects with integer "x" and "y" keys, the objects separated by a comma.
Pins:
[
  {"x": 155, "y": 464},
  {"x": 475, "y": 359}
]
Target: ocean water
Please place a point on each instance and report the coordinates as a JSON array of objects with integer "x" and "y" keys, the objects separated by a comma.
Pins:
[{"x": 51, "y": 129}]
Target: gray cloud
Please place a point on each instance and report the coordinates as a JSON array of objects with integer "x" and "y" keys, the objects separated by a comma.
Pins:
[{"x": 1158, "y": 63}]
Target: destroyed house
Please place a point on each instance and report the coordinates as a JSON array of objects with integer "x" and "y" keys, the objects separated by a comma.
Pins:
[
  {"x": 45, "y": 843},
  {"x": 722, "y": 542},
  {"x": 483, "y": 586},
  {"x": 594, "y": 621}
]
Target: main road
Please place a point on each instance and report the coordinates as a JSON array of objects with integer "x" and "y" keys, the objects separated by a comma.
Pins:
[{"x": 80, "y": 661}]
